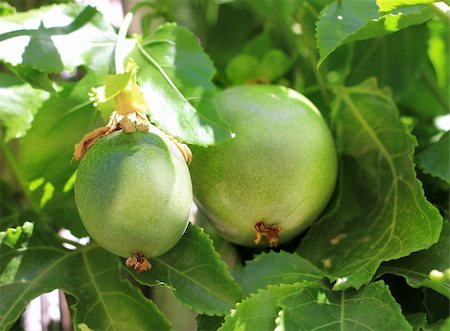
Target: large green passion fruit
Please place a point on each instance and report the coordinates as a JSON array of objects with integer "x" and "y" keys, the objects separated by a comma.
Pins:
[
  {"x": 276, "y": 176},
  {"x": 133, "y": 192}
]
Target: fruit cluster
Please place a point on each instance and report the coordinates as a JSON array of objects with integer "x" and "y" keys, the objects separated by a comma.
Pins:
[{"x": 263, "y": 187}]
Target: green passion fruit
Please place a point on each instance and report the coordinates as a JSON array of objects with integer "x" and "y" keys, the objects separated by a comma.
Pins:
[
  {"x": 276, "y": 176},
  {"x": 133, "y": 192}
]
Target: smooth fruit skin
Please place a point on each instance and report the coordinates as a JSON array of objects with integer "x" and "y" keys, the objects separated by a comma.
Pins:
[
  {"x": 280, "y": 168},
  {"x": 133, "y": 192}
]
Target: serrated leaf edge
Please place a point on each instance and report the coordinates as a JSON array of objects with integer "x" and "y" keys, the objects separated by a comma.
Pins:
[{"x": 221, "y": 264}]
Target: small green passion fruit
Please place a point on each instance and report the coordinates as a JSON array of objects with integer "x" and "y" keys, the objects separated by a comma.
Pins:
[
  {"x": 276, "y": 176},
  {"x": 133, "y": 192}
]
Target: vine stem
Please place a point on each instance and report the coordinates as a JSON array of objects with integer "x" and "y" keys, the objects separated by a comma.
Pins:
[
  {"x": 119, "y": 56},
  {"x": 309, "y": 41},
  {"x": 442, "y": 10}
]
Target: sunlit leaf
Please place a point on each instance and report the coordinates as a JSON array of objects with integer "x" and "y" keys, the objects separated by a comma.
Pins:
[
  {"x": 388, "y": 5},
  {"x": 175, "y": 75},
  {"x": 349, "y": 20},
  {"x": 35, "y": 78},
  {"x": 53, "y": 38},
  {"x": 18, "y": 104}
]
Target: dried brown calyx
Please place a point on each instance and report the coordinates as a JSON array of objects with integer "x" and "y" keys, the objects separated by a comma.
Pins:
[
  {"x": 129, "y": 116},
  {"x": 138, "y": 261},
  {"x": 267, "y": 234}
]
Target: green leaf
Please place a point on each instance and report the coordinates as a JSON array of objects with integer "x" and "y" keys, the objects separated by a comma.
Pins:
[
  {"x": 349, "y": 20},
  {"x": 208, "y": 323},
  {"x": 43, "y": 38},
  {"x": 34, "y": 261},
  {"x": 35, "y": 78},
  {"x": 435, "y": 160},
  {"x": 388, "y": 5},
  {"x": 396, "y": 60},
  {"x": 382, "y": 213},
  {"x": 47, "y": 149},
  {"x": 8, "y": 206},
  {"x": 445, "y": 325},
  {"x": 418, "y": 321},
  {"x": 175, "y": 75},
  {"x": 425, "y": 99},
  {"x": 193, "y": 268},
  {"x": 417, "y": 267},
  {"x": 47, "y": 152},
  {"x": 6, "y": 9},
  {"x": 273, "y": 269},
  {"x": 318, "y": 307},
  {"x": 438, "y": 48},
  {"x": 42, "y": 53},
  {"x": 18, "y": 104},
  {"x": 269, "y": 9},
  {"x": 260, "y": 310},
  {"x": 105, "y": 300}
]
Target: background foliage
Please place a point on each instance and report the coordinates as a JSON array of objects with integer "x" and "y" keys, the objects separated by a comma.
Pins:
[{"x": 378, "y": 258}]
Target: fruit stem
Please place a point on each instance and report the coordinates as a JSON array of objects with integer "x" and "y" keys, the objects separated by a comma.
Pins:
[{"x": 119, "y": 56}]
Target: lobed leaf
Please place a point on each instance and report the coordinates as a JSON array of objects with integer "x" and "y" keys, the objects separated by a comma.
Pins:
[
  {"x": 175, "y": 75},
  {"x": 349, "y": 20},
  {"x": 105, "y": 301},
  {"x": 194, "y": 270},
  {"x": 314, "y": 306},
  {"x": 29, "y": 266},
  {"x": 317, "y": 307},
  {"x": 260, "y": 310},
  {"x": 382, "y": 213},
  {"x": 43, "y": 38},
  {"x": 274, "y": 269},
  {"x": 417, "y": 267},
  {"x": 435, "y": 160},
  {"x": 34, "y": 261}
]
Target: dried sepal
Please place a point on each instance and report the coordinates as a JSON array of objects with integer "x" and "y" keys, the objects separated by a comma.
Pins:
[
  {"x": 134, "y": 121},
  {"x": 138, "y": 261},
  {"x": 267, "y": 234}
]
